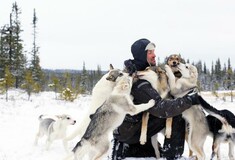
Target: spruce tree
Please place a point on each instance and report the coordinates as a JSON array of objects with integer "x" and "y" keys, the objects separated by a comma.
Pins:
[
  {"x": 6, "y": 54},
  {"x": 84, "y": 79},
  {"x": 29, "y": 85},
  {"x": 35, "y": 61},
  {"x": 218, "y": 72},
  {"x": 230, "y": 80},
  {"x": 17, "y": 60},
  {"x": 68, "y": 93},
  {"x": 7, "y": 81},
  {"x": 204, "y": 68},
  {"x": 55, "y": 84},
  {"x": 3, "y": 49}
]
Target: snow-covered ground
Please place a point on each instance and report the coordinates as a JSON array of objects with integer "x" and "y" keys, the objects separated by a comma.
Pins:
[{"x": 19, "y": 124}]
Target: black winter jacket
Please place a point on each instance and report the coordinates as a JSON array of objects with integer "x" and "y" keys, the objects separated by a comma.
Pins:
[{"x": 142, "y": 92}]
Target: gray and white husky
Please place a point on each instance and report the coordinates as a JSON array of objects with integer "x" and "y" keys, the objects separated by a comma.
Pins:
[
  {"x": 100, "y": 93},
  {"x": 53, "y": 128},
  {"x": 95, "y": 142},
  {"x": 198, "y": 126}
]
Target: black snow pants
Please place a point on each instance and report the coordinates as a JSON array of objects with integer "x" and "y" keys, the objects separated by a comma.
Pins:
[{"x": 129, "y": 132}]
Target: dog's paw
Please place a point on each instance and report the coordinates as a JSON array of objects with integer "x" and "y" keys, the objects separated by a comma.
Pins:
[
  {"x": 151, "y": 102},
  {"x": 167, "y": 67},
  {"x": 168, "y": 70}
]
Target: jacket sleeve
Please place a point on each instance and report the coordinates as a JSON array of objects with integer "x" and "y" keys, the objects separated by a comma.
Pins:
[{"x": 142, "y": 92}]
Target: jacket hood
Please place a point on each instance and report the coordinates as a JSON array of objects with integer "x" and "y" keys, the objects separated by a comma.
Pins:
[{"x": 139, "y": 52}]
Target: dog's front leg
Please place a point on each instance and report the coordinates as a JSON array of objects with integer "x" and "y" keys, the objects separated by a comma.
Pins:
[
  {"x": 141, "y": 107},
  {"x": 65, "y": 143},
  {"x": 171, "y": 77},
  {"x": 231, "y": 151},
  {"x": 48, "y": 143},
  {"x": 144, "y": 126},
  {"x": 155, "y": 144},
  {"x": 36, "y": 140},
  {"x": 168, "y": 127}
]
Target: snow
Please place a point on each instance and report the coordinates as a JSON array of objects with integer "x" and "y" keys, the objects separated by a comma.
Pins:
[{"x": 19, "y": 124}]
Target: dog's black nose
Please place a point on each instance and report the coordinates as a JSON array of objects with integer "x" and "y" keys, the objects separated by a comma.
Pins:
[{"x": 174, "y": 64}]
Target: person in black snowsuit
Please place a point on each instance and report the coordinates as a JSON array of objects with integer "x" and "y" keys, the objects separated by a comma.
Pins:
[{"x": 126, "y": 136}]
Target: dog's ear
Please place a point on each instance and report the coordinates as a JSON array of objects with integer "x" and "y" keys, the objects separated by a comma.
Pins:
[
  {"x": 182, "y": 60},
  {"x": 166, "y": 60},
  {"x": 111, "y": 67}
]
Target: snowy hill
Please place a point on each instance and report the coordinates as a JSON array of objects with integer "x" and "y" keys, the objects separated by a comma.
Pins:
[{"x": 19, "y": 124}]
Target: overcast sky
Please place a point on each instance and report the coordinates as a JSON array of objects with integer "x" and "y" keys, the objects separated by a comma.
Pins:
[{"x": 100, "y": 32}]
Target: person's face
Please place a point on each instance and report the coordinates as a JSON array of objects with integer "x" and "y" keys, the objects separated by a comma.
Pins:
[{"x": 151, "y": 57}]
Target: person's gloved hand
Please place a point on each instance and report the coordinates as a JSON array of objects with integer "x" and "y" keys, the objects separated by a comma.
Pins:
[{"x": 193, "y": 97}]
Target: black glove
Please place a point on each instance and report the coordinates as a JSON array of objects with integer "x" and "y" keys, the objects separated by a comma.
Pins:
[{"x": 193, "y": 97}]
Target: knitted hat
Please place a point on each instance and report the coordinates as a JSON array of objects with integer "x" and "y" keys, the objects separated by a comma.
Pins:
[{"x": 139, "y": 51}]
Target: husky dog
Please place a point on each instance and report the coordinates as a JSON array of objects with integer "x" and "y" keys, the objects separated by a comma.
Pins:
[
  {"x": 100, "y": 93},
  {"x": 95, "y": 142},
  {"x": 158, "y": 80},
  {"x": 53, "y": 128},
  {"x": 198, "y": 127},
  {"x": 173, "y": 61}
]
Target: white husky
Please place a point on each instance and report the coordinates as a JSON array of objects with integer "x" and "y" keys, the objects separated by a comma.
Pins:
[
  {"x": 95, "y": 142},
  {"x": 54, "y": 128},
  {"x": 100, "y": 93}
]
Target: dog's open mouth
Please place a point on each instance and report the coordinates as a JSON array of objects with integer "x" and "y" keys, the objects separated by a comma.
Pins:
[
  {"x": 178, "y": 73},
  {"x": 174, "y": 65}
]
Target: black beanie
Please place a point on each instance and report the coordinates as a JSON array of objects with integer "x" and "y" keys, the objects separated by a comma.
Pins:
[{"x": 140, "y": 54}]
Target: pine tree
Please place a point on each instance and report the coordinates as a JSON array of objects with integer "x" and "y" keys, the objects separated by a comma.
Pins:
[
  {"x": 4, "y": 49},
  {"x": 204, "y": 68},
  {"x": 84, "y": 79},
  {"x": 77, "y": 84},
  {"x": 68, "y": 93},
  {"x": 230, "y": 80},
  {"x": 17, "y": 59},
  {"x": 35, "y": 61},
  {"x": 199, "y": 66},
  {"x": 7, "y": 81},
  {"x": 29, "y": 84},
  {"x": 218, "y": 72},
  {"x": 55, "y": 85}
]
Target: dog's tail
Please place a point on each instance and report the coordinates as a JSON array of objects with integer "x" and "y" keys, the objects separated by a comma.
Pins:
[{"x": 213, "y": 111}]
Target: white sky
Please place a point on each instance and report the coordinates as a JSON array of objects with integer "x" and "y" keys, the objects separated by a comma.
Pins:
[{"x": 100, "y": 32}]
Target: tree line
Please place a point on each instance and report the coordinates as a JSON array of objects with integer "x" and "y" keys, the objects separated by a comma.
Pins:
[{"x": 20, "y": 68}]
